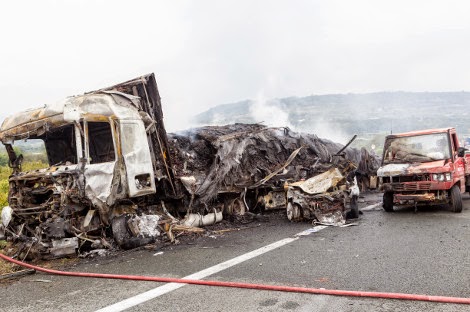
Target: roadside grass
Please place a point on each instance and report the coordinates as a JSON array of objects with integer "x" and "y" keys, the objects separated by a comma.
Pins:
[
  {"x": 6, "y": 267},
  {"x": 4, "y": 174}
]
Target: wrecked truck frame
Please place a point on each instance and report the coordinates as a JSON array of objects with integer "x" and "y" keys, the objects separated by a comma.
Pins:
[
  {"x": 114, "y": 173},
  {"x": 102, "y": 162}
]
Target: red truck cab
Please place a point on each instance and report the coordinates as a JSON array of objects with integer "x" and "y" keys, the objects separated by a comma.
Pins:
[{"x": 426, "y": 167}]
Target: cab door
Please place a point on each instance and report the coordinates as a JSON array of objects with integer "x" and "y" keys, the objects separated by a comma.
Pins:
[
  {"x": 137, "y": 159},
  {"x": 459, "y": 162},
  {"x": 99, "y": 149}
]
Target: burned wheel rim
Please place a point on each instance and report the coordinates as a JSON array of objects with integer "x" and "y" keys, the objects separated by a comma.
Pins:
[
  {"x": 293, "y": 212},
  {"x": 236, "y": 207}
]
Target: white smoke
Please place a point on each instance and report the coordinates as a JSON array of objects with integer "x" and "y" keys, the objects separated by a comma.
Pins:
[
  {"x": 268, "y": 113},
  {"x": 326, "y": 130}
]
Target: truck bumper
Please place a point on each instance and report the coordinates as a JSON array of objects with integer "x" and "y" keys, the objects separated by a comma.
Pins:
[{"x": 424, "y": 197}]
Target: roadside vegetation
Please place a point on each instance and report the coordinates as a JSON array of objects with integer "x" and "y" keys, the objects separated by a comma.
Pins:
[{"x": 5, "y": 172}]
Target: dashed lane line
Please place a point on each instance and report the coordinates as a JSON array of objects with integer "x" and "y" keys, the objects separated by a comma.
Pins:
[{"x": 159, "y": 291}]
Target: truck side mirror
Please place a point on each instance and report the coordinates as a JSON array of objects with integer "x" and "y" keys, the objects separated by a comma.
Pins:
[{"x": 461, "y": 151}]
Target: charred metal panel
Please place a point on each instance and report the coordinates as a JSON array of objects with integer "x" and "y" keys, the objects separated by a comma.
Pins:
[
  {"x": 99, "y": 178},
  {"x": 98, "y": 106},
  {"x": 145, "y": 87},
  {"x": 274, "y": 200},
  {"x": 136, "y": 155},
  {"x": 326, "y": 197},
  {"x": 321, "y": 183}
]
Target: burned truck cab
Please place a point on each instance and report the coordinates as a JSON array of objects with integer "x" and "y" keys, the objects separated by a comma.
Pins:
[{"x": 97, "y": 159}]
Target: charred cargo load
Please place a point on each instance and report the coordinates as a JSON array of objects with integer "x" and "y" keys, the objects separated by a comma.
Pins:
[
  {"x": 247, "y": 167},
  {"x": 113, "y": 173}
]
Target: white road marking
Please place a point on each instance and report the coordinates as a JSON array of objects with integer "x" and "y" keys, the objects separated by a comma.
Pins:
[
  {"x": 156, "y": 292},
  {"x": 377, "y": 206},
  {"x": 312, "y": 230}
]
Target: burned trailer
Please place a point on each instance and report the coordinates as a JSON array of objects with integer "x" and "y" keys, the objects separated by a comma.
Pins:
[
  {"x": 105, "y": 155},
  {"x": 250, "y": 167}
]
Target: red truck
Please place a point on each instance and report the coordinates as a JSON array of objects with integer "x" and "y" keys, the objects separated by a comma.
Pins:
[{"x": 426, "y": 167}]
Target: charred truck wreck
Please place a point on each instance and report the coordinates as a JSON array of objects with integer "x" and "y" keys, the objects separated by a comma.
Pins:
[{"x": 114, "y": 175}]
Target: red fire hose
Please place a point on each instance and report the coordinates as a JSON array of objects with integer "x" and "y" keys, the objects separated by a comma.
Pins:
[{"x": 320, "y": 291}]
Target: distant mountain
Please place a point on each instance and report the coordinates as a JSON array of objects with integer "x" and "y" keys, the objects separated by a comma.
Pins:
[{"x": 347, "y": 114}]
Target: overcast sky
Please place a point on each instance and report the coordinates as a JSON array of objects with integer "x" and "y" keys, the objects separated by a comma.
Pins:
[{"x": 206, "y": 53}]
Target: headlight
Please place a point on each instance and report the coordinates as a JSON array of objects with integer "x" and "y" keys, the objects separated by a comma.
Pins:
[{"x": 441, "y": 177}]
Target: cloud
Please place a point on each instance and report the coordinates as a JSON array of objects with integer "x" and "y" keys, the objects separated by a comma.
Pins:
[{"x": 211, "y": 52}]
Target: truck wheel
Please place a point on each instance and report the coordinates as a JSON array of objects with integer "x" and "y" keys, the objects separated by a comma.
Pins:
[
  {"x": 354, "y": 207},
  {"x": 388, "y": 201},
  {"x": 455, "y": 199},
  {"x": 294, "y": 212}
]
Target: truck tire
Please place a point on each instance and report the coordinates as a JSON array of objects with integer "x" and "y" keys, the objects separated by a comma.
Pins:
[
  {"x": 354, "y": 207},
  {"x": 455, "y": 199},
  {"x": 294, "y": 212},
  {"x": 388, "y": 202}
]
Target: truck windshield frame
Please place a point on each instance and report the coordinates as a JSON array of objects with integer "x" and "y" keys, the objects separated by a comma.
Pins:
[
  {"x": 52, "y": 148},
  {"x": 100, "y": 141},
  {"x": 417, "y": 149}
]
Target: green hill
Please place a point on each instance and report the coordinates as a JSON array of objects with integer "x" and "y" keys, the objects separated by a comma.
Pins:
[{"x": 363, "y": 114}]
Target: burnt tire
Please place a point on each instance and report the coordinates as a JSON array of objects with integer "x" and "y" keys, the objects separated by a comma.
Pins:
[
  {"x": 455, "y": 199},
  {"x": 354, "y": 213},
  {"x": 388, "y": 202},
  {"x": 294, "y": 212}
]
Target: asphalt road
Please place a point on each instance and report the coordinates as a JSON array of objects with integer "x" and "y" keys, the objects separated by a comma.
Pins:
[{"x": 423, "y": 253}]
